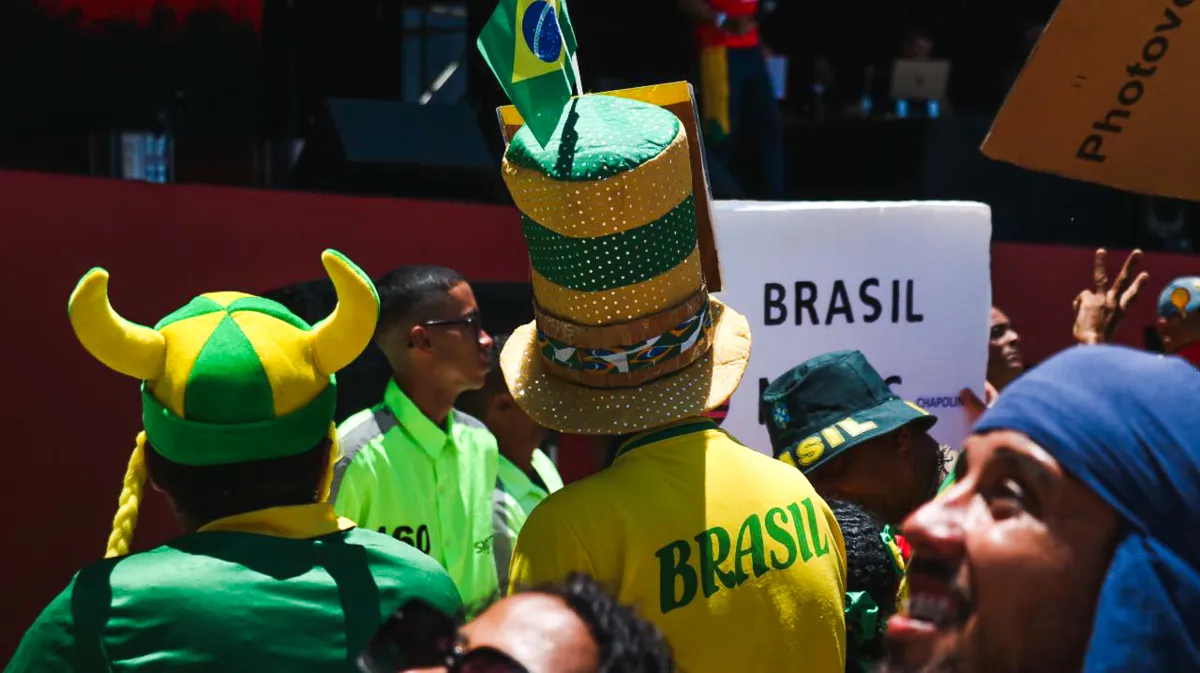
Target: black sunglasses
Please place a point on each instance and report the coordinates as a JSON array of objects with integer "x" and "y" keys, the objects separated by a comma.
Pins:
[
  {"x": 471, "y": 320},
  {"x": 418, "y": 635}
]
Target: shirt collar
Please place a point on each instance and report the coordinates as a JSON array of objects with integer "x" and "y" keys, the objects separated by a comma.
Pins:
[
  {"x": 515, "y": 481},
  {"x": 686, "y": 426},
  {"x": 297, "y": 522},
  {"x": 546, "y": 470},
  {"x": 424, "y": 432}
]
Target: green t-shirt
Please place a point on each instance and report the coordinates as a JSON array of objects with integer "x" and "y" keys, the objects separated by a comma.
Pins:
[
  {"x": 514, "y": 498},
  {"x": 233, "y": 601},
  {"x": 517, "y": 483},
  {"x": 429, "y": 486},
  {"x": 946, "y": 483}
]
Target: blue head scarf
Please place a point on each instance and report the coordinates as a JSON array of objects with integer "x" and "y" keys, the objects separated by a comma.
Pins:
[{"x": 1127, "y": 424}]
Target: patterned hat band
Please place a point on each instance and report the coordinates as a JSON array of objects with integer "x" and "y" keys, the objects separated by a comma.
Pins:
[{"x": 630, "y": 354}]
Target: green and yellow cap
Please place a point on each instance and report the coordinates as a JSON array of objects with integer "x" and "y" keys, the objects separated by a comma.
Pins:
[{"x": 231, "y": 377}]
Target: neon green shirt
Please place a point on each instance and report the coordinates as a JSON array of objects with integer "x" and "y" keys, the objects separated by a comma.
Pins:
[
  {"x": 508, "y": 518},
  {"x": 517, "y": 483},
  {"x": 547, "y": 471},
  {"x": 947, "y": 483},
  {"x": 282, "y": 589},
  {"x": 515, "y": 497},
  {"x": 429, "y": 486}
]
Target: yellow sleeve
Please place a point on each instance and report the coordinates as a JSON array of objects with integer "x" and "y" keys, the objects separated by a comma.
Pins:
[{"x": 548, "y": 549}]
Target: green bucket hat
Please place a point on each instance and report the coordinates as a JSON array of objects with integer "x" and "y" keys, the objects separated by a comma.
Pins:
[{"x": 833, "y": 402}]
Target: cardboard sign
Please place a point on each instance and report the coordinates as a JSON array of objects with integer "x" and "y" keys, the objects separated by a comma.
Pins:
[
  {"x": 1110, "y": 95},
  {"x": 908, "y": 284},
  {"x": 679, "y": 99}
]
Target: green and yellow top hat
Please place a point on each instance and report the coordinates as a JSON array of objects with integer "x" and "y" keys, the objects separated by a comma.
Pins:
[
  {"x": 230, "y": 377},
  {"x": 626, "y": 336}
]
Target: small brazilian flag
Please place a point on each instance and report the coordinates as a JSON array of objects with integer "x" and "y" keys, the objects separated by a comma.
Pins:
[{"x": 530, "y": 47}]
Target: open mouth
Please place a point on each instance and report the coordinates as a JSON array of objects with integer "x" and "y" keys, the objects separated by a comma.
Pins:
[{"x": 934, "y": 596}]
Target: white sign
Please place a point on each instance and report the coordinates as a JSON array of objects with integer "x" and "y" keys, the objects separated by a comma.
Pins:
[{"x": 908, "y": 284}]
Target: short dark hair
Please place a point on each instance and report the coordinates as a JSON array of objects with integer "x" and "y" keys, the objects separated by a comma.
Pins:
[
  {"x": 627, "y": 643},
  {"x": 205, "y": 493},
  {"x": 870, "y": 568},
  {"x": 409, "y": 292},
  {"x": 474, "y": 402}
]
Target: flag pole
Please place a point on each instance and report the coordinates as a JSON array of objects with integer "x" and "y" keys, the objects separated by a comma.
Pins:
[{"x": 578, "y": 80}]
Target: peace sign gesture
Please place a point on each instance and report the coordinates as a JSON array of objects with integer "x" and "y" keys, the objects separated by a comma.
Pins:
[{"x": 1099, "y": 311}]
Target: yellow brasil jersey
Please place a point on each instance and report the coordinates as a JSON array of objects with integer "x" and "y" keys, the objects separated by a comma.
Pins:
[{"x": 731, "y": 553}]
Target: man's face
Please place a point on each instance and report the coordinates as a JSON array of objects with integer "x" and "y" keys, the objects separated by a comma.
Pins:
[
  {"x": 538, "y": 631},
  {"x": 1004, "y": 351},
  {"x": 891, "y": 475},
  {"x": 1006, "y": 566},
  {"x": 1179, "y": 331},
  {"x": 919, "y": 47},
  {"x": 462, "y": 352},
  {"x": 509, "y": 422}
]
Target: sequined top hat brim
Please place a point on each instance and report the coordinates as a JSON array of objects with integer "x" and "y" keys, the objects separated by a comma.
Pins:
[{"x": 565, "y": 406}]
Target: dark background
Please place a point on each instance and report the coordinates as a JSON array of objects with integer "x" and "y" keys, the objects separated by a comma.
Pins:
[{"x": 243, "y": 88}]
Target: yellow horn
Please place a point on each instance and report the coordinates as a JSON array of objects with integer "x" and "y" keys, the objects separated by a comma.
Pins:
[
  {"x": 129, "y": 348},
  {"x": 338, "y": 339}
]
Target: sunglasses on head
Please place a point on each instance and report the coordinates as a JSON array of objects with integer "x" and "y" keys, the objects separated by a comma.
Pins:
[{"x": 418, "y": 635}]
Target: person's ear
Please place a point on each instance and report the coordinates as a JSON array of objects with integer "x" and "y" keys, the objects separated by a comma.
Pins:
[
  {"x": 418, "y": 338},
  {"x": 904, "y": 439},
  {"x": 150, "y": 476},
  {"x": 503, "y": 402}
]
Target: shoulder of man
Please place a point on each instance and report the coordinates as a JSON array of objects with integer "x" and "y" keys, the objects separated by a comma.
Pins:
[
  {"x": 357, "y": 434},
  {"x": 581, "y": 505},
  {"x": 50, "y": 643},
  {"x": 470, "y": 431},
  {"x": 401, "y": 557},
  {"x": 360, "y": 429},
  {"x": 767, "y": 462},
  {"x": 552, "y": 542},
  {"x": 68, "y": 635}
]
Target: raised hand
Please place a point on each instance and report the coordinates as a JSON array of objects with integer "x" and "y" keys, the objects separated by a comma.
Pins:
[
  {"x": 973, "y": 406},
  {"x": 1098, "y": 312}
]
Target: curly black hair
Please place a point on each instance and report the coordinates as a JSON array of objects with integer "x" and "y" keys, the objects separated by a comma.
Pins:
[
  {"x": 870, "y": 567},
  {"x": 869, "y": 563},
  {"x": 627, "y": 643}
]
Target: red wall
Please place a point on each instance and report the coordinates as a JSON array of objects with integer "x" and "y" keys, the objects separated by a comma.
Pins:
[
  {"x": 72, "y": 421},
  {"x": 99, "y": 11},
  {"x": 1035, "y": 285}
]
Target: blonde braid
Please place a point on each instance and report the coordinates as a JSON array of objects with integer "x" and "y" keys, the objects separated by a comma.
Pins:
[
  {"x": 126, "y": 518},
  {"x": 335, "y": 454}
]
